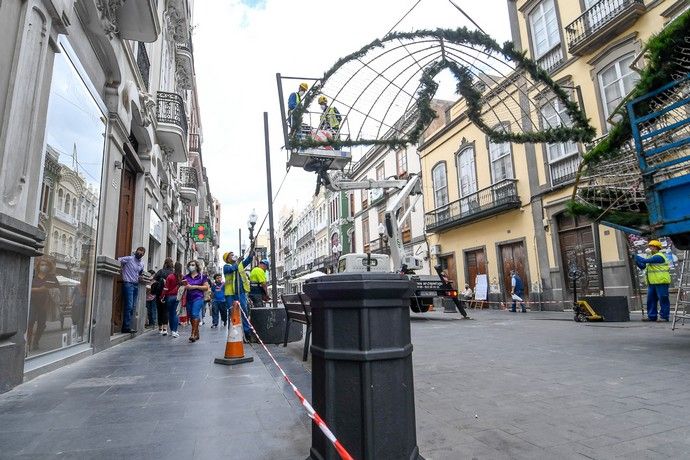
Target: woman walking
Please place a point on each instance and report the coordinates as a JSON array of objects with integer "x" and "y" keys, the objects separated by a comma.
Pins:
[
  {"x": 195, "y": 284},
  {"x": 159, "y": 283},
  {"x": 172, "y": 285}
]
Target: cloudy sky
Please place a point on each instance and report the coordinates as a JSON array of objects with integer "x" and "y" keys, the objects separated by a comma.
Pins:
[{"x": 239, "y": 47}]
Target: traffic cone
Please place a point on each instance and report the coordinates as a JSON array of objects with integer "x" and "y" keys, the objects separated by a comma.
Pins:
[{"x": 234, "y": 348}]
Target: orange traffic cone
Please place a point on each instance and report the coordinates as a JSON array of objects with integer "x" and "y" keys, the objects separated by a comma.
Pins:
[{"x": 234, "y": 348}]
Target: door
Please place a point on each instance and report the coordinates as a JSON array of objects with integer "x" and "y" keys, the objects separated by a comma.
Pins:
[
  {"x": 123, "y": 246},
  {"x": 467, "y": 178},
  {"x": 513, "y": 257},
  {"x": 475, "y": 263},
  {"x": 578, "y": 247},
  {"x": 447, "y": 263}
]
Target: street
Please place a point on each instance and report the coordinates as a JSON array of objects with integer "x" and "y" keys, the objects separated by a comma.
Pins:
[{"x": 505, "y": 385}]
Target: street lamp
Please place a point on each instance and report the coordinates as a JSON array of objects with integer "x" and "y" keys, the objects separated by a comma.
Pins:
[
  {"x": 382, "y": 231},
  {"x": 251, "y": 222}
]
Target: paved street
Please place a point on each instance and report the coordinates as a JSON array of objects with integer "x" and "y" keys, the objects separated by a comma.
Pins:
[{"x": 506, "y": 385}]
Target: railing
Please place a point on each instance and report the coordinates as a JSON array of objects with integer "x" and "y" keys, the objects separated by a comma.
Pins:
[
  {"x": 188, "y": 177},
  {"x": 171, "y": 110},
  {"x": 86, "y": 229},
  {"x": 194, "y": 143},
  {"x": 595, "y": 18},
  {"x": 497, "y": 198},
  {"x": 551, "y": 59},
  {"x": 306, "y": 237},
  {"x": 67, "y": 218},
  {"x": 144, "y": 64},
  {"x": 564, "y": 170}
]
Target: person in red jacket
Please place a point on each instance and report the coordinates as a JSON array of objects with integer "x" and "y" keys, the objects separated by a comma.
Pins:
[{"x": 172, "y": 284}]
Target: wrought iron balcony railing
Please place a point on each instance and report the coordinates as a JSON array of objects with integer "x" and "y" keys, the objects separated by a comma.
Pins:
[
  {"x": 600, "y": 17},
  {"x": 497, "y": 198},
  {"x": 565, "y": 170},
  {"x": 188, "y": 177},
  {"x": 144, "y": 64},
  {"x": 171, "y": 110},
  {"x": 194, "y": 143},
  {"x": 551, "y": 59}
]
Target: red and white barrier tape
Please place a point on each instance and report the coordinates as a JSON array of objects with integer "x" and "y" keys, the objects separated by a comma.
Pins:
[{"x": 344, "y": 455}]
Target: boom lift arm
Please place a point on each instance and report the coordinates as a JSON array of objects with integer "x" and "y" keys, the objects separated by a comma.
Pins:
[{"x": 412, "y": 186}]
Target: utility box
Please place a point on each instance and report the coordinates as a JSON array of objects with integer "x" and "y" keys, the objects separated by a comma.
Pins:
[{"x": 611, "y": 308}]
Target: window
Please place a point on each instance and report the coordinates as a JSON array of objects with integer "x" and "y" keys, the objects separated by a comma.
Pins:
[
  {"x": 544, "y": 27},
  {"x": 352, "y": 205},
  {"x": 365, "y": 199},
  {"x": 68, "y": 200},
  {"x": 467, "y": 179},
  {"x": 58, "y": 205},
  {"x": 401, "y": 162},
  {"x": 380, "y": 172},
  {"x": 74, "y": 206},
  {"x": 440, "y": 185},
  {"x": 563, "y": 157},
  {"x": 501, "y": 162},
  {"x": 407, "y": 223},
  {"x": 365, "y": 234},
  {"x": 54, "y": 245},
  {"x": 615, "y": 82},
  {"x": 45, "y": 198}
]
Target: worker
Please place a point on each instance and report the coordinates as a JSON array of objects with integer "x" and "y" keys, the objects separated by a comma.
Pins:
[
  {"x": 258, "y": 292},
  {"x": 237, "y": 286},
  {"x": 658, "y": 275},
  {"x": 295, "y": 101},
  {"x": 330, "y": 118}
]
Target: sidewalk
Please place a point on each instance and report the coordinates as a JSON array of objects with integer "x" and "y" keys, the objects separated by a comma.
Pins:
[{"x": 155, "y": 397}]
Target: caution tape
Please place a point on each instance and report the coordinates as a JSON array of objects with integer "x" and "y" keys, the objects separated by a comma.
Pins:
[{"x": 344, "y": 455}]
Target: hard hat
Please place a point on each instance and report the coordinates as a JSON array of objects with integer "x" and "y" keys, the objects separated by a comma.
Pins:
[
  {"x": 303, "y": 86},
  {"x": 265, "y": 262},
  {"x": 655, "y": 243},
  {"x": 228, "y": 257},
  {"x": 323, "y": 100}
]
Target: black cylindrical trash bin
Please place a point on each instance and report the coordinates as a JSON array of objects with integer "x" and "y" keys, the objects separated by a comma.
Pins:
[{"x": 362, "y": 382}]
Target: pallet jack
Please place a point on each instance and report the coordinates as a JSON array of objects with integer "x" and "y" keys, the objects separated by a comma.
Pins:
[{"x": 582, "y": 310}]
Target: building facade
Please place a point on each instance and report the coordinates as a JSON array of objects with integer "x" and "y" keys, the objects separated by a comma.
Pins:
[
  {"x": 494, "y": 207},
  {"x": 99, "y": 97}
]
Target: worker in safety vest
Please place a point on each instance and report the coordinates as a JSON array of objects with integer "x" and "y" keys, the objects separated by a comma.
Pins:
[
  {"x": 330, "y": 119},
  {"x": 658, "y": 281},
  {"x": 258, "y": 283},
  {"x": 237, "y": 285},
  {"x": 295, "y": 101}
]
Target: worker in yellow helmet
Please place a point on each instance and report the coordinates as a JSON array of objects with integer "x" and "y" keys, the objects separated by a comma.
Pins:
[
  {"x": 658, "y": 280},
  {"x": 295, "y": 101},
  {"x": 237, "y": 285},
  {"x": 330, "y": 118}
]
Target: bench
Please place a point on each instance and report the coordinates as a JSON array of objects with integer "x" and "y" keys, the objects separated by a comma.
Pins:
[{"x": 298, "y": 309}]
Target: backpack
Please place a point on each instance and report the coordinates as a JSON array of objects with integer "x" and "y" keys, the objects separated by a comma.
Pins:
[{"x": 159, "y": 282}]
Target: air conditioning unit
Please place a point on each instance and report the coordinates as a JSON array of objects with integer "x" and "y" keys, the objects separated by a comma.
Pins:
[{"x": 435, "y": 249}]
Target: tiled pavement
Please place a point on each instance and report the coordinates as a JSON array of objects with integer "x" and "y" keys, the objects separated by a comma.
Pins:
[{"x": 506, "y": 385}]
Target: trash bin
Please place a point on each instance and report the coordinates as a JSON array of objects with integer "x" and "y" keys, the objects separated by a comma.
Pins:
[{"x": 362, "y": 382}]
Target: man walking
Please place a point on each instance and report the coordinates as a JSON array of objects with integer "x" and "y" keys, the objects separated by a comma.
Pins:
[
  {"x": 658, "y": 273},
  {"x": 132, "y": 269},
  {"x": 237, "y": 285},
  {"x": 517, "y": 290},
  {"x": 258, "y": 284}
]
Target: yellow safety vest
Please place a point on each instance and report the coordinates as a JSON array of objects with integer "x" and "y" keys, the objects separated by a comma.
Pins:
[
  {"x": 329, "y": 117},
  {"x": 230, "y": 279},
  {"x": 659, "y": 273}
]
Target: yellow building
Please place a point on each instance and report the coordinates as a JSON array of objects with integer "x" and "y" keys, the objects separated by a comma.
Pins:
[{"x": 496, "y": 207}]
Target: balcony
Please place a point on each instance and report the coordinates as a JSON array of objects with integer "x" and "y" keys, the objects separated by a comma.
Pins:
[
  {"x": 184, "y": 64},
  {"x": 189, "y": 184},
  {"x": 500, "y": 197},
  {"x": 603, "y": 20},
  {"x": 305, "y": 238},
  {"x": 194, "y": 144},
  {"x": 137, "y": 21},
  {"x": 178, "y": 20},
  {"x": 172, "y": 126},
  {"x": 551, "y": 59},
  {"x": 144, "y": 64},
  {"x": 65, "y": 217},
  {"x": 564, "y": 170}
]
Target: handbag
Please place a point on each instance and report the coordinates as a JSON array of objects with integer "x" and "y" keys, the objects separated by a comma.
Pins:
[{"x": 180, "y": 293}]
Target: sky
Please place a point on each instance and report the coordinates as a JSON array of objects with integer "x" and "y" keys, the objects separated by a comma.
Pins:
[{"x": 240, "y": 45}]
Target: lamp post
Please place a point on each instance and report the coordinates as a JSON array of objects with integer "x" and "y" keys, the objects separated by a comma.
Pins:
[
  {"x": 382, "y": 231},
  {"x": 251, "y": 222}
]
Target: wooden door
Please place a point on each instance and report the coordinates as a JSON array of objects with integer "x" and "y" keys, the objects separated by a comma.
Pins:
[
  {"x": 475, "y": 261},
  {"x": 578, "y": 246},
  {"x": 513, "y": 257},
  {"x": 123, "y": 246},
  {"x": 448, "y": 264}
]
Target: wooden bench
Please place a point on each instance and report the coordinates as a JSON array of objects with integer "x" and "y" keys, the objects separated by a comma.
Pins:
[{"x": 298, "y": 309}]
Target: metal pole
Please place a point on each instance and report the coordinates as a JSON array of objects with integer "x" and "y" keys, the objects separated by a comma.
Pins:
[
  {"x": 283, "y": 115},
  {"x": 239, "y": 245},
  {"x": 271, "y": 228}
]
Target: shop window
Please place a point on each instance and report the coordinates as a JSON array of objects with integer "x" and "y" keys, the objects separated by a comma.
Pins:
[{"x": 63, "y": 278}]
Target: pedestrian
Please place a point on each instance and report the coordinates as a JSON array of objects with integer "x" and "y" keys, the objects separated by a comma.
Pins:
[
  {"x": 132, "y": 269},
  {"x": 219, "y": 305},
  {"x": 151, "y": 301},
  {"x": 467, "y": 294},
  {"x": 196, "y": 284},
  {"x": 237, "y": 286},
  {"x": 330, "y": 117},
  {"x": 517, "y": 290},
  {"x": 258, "y": 286},
  {"x": 157, "y": 288},
  {"x": 448, "y": 285},
  {"x": 45, "y": 295},
  {"x": 170, "y": 291},
  {"x": 658, "y": 274}
]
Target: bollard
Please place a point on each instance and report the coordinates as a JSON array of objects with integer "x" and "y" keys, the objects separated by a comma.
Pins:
[{"x": 362, "y": 383}]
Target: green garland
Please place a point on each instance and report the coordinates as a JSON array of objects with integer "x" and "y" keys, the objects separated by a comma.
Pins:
[
  {"x": 660, "y": 69},
  {"x": 580, "y": 131}
]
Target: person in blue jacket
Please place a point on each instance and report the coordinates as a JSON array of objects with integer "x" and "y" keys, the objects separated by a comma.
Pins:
[
  {"x": 237, "y": 285},
  {"x": 294, "y": 101},
  {"x": 658, "y": 274}
]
